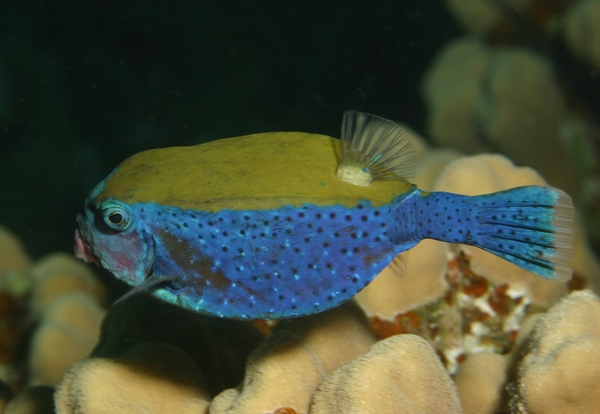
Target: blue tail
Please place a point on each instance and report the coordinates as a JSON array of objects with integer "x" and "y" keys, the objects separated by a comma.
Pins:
[{"x": 528, "y": 226}]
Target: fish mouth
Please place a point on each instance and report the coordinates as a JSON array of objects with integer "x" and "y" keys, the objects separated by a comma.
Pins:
[{"x": 81, "y": 251}]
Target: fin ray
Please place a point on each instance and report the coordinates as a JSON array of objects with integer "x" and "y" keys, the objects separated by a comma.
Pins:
[
  {"x": 373, "y": 149},
  {"x": 530, "y": 227}
]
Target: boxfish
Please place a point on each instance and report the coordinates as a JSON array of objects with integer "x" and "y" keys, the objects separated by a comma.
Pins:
[{"x": 286, "y": 224}]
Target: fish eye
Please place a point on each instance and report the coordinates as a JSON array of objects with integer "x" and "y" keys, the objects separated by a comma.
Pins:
[{"x": 116, "y": 217}]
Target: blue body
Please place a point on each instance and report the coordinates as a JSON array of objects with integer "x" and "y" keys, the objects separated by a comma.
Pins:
[{"x": 290, "y": 261}]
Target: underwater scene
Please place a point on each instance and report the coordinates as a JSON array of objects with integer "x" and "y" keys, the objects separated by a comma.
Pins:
[{"x": 292, "y": 208}]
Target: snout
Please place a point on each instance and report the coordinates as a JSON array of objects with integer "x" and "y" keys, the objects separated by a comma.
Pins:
[{"x": 80, "y": 249}]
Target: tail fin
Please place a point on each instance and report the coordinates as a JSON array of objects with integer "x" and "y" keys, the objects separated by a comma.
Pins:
[{"x": 528, "y": 226}]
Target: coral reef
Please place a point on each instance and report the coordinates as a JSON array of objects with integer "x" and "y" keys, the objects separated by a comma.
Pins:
[
  {"x": 581, "y": 30},
  {"x": 484, "y": 16},
  {"x": 443, "y": 329},
  {"x": 65, "y": 303},
  {"x": 560, "y": 373},
  {"x": 480, "y": 380},
  {"x": 399, "y": 374},
  {"x": 139, "y": 379},
  {"x": 288, "y": 367},
  {"x": 488, "y": 99}
]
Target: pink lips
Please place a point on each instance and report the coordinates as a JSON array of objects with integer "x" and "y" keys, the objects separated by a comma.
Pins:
[{"x": 81, "y": 251}]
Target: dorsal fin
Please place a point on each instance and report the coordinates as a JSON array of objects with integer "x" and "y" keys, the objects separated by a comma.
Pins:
[{"x": 373, "y": 149}]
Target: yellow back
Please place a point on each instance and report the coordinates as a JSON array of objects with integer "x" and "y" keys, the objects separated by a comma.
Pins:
[{"x": 253, "y": 172}]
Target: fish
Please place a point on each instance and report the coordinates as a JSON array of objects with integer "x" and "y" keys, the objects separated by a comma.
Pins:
[{"x": 287, "y": 224}]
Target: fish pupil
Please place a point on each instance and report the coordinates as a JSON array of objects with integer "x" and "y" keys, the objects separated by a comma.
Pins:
[{"x": 115, "y": 218}]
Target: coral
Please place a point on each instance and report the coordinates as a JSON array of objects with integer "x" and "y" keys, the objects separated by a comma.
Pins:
[
  {"x": 479, "y": 381},
  {"x": 218, "y": 347},
  {"x": 430, "y": 165},
  {"x": 336, "y": 337},
  {"x": 500, "y": 99},
  {"x": 33, "y": 400},
  {"x": 6, "y": 394},
  {"x": 561, "y": 372},
  {"x": 65, "y": 301},
  {"x": 288, "y": 367},
  {"x": 416, "y": 280},
  {"x": 399, "y": 374},
  {"x": 581, "y": 30},
  {"x": 58, "y": 274},
  {"x": 476, "y": 16},
  {"x": 13, "y": 261},
  {"x": 485, "y": 17},
  {"x": 496, "y": 173},
  {"x": 282, "y": 372},
  {"x": 451, "y": 89},
  {"x": 68, "y": 331},
  {"x": 522, "y": 98},
  {"x": 158, "y": 378}
]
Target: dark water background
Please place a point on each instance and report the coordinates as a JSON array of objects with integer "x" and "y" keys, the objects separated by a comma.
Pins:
[{"x": 83, "y": 85}]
